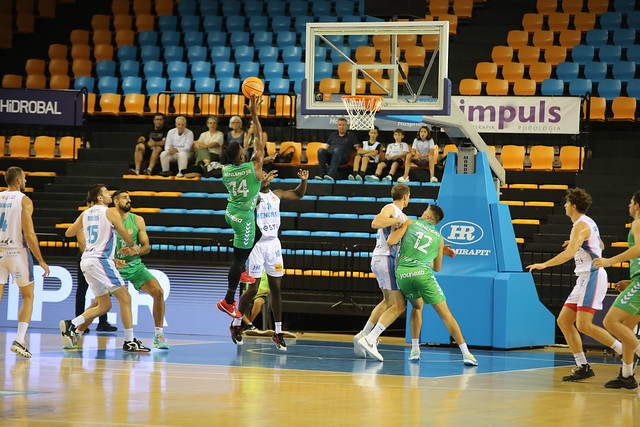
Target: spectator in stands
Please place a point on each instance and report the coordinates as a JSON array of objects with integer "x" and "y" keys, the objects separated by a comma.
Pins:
[
  {"x": 178, "y": 148},
  {"x": 424, "y": 151},
  {"x": 236, "y": 134},
  {"x": 249, "y": 137},
  {"x": 338, "y": 150},
  {"x": 370, "y": 152},
  {"x": 150, "y": 145},
  {"x": 397, "y": 154},
  {"x": 209, "y": 146}
]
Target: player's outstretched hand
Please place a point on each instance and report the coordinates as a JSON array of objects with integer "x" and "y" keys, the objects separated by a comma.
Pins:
[
  {"x": 303, "y": 174},
  {"x": 448, "y": 251},
  {"x": 601, "y": 262},
  {"x": 270, "y": 175},
  {"x": 539, "y": 266},
  {"x": 622, "y": 285}
]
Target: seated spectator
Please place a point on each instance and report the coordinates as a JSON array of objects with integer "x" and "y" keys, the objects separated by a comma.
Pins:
[
  {"x": 209, "y": 146},
  {"x": 178, "y": 148},
  {"x": 424, "y": 152},
  {"x": 397, "y": 154},
  {"x": 236, "y": 134},
  {"x": 370, "y": 152},
  {"x": 338, "y": 150},
  {"x": 149, "y": 146}
]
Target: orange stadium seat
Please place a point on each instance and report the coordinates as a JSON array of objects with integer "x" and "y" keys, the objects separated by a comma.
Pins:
[
  {"x": 541, "y": 157},
  {"x": 584, "y": 21},
  {"x": 103, "y": 52},
  {"x": 572, "y": 6},
  {"x": 512, "y": 157},
  {"x": 58, "y": 51},
  {"x": 532, "y": 21},
  {"x": 502, "y": 54},
  {"x": 59, "y": 82},
  {"x": 59, "y": 67},
  {"x": 110, "y": 104},
  {"x": 159, "y": 103},
  {"x": 164, "y": 7},
  {"x": 438, "y": 7},
  {"x": 529, "y": 54},
  {"x": 470, "y": 87},
  {"x": 125, "y": 38},
  {"x": 405, "y": 41},
  {"x": 539, "y": 71},
  {"x": 524, "y": 87},
  {"x": 571, "y": 158},
  {"x": 375, "y": 89},
  {"x": 284, "y": 106},
  {"x": 555, "y": 55},
  {"x": 145, "y": 23},
  {"x": 34, "y": 66},
  {"x": 36, "y": 82},
  {"x": 415, "y": 56},
  {"x": 543, "y": 39},
  {"x": 365, "y": 54},
  {"x": 184, "y": 103},
  {"x": 312, "y": 152},
  {"x": 122, "y": 22},
  {"x": 430, "y": 41},
  {"x": 80, "y": 51},
  {"x": 233, "y": 105},
  {"x": 558, "y": 21},
  {"x": 45, "y": 147},
  {"x": 546, "y": 7},
  {"x": 67, "y": 149},
  {"x": 624, "y": 109},
  {"x": 598, "y": 6},
  {"x": 12, "y": 81},
  {"x": 19, "y": 146},
  {"x": 89, "y": 103},
  {"x": 142, "y": 7},
  {"x": 497, "y": 87},
  {"x": 570, "y": 38},
  {"x": 517, "y": 39},
  {"x": 486, "y": 71},
  {"x": 81, "y": 67},
  {"x": 453, "y": 23},
  {"x": 120, "y": 7},
  {"x": 360, "y": 88},
  {"x": 209, "y": 104},
  {"x": 329, "y": 85},
  {"x": 597, "y": 110},
  {"x": 512, "y": 71},
  {"x": 344, "y": 71},
  {"x": 463, "y": 8},
  {"x": 100, "y": 22},
  {"x": 297, "y": 152},
  {"x": 47, "y": 9},
  {"x": 133, "y": 104},
  {"x": 79, "y": 37},
  {"x": 102, "y": 37}
]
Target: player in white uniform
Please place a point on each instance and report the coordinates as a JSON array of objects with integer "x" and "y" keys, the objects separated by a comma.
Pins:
[
  {"x": 383, "y": 266},
  {"x": 267, "y": 254},
  {"x": 97, "y": 224},
  {"x": 586, "y": 297},
  {"x": 17, "y": 238}
]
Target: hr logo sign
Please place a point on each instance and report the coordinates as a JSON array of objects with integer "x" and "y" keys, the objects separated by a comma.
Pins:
[{"x": 462, "y": 232}]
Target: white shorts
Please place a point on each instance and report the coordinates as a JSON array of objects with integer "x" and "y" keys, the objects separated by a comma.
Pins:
[
  {"x": 384, "y": 268},
  {"x": 267, "y": 255},
  {"x": 589, "y": 291},
  {"x": 18, "y": 263},
  {"x": 102, "y": 275}
]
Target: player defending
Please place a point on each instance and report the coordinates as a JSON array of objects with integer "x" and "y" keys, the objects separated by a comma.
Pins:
[
  {"x": 585, "y": 299},
  {"x": 421, "y": 245},
  {"x": 267, "y": 254},
  {"x": 243, "y": 180},
  {"x": 626, "y": 307},
  {"x": 383, "y": 264},
  {"x": 98, "y": 223},
  {"x": 17, "y": 238}
]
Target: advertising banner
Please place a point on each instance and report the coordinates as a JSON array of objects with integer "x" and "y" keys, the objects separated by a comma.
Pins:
[{"x": 41, "y": 107}]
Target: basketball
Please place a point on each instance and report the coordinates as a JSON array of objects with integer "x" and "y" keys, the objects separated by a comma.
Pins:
[{"x": 252, "y": 86}]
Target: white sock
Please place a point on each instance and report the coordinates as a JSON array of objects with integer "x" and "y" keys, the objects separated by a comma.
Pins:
[
  {"x": 581, "y": 359},
  {"x": 159, "y": 331},
  {"x": 637, "y": 350},
  {"x": 376, "y": 332},
  {"x": 278, "y": 327},
  {"x": 237, "y": 322},
  {"x": 368, "y": 328},
  {"x": 78, "y": 321},
  {"x": 22, "y": 331},
  {"x": 627, "y": 370},
  {"x": 463, "y": 348},
  {"x": 617, "y": 347},
  {"x": 128, "y": 334},
  {"x": 415, "y": 343}
]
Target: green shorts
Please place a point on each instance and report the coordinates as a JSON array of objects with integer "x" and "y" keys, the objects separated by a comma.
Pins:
[
  {"x": 244, "y": 227},
  {"x": 418, "y": 282},
  {"x": 138, "y": 275},
  {"x": 629, "y": 299}
]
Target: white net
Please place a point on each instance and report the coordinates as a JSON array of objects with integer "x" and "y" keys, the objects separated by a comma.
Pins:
[{"x": 362, "y": 111}]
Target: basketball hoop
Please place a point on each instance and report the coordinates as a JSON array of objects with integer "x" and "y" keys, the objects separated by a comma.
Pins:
[{"x": 362, "y": 110}]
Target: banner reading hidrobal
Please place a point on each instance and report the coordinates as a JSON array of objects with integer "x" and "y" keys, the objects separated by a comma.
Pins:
[
  {"x": 41, "y": 107},
  {"x": 518, "y": 114}
]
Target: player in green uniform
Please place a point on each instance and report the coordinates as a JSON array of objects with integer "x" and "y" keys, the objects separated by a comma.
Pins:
[
  {"x": 243, "y": 180},
  {"x": 130, "y": 265},
  {"x": 420, "y": 254},
  {"x": 623, "y": 314}
]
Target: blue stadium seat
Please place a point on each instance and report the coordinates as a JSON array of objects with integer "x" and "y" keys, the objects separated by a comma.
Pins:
[
  {"x": 229, "y": 85},
  {"x": 567, "y": 70},
  {"x": 273, "y": 70},
  {"x": 243, "y": 53},
  {"x": 193, "y": 38},
  {"x": 367, "y": 199},
  {"x": 156, "y": 85},
  {"x": 173, "y": 53},
  {"x": 201, "y": 211},
  {"x": 633, "y": 53},
  {"x": 239, "y": 38},
  {"x": 148, "y": 38},
  {"x": 258, "y": 23},
  {"x": 218, "y": 195},
  {"x": 582, "y": 54},
  {"x": 336, "y": 57},
  {"x": 321, "y": 7},
  {"x": 131, "y": 85},
  {"x": 355, "y": 40},
  {"x": 366, "y": 216},
  {"x": 176, "y": 69},
  {"x": 205, "y": 84},
  {"x": 309, "y": 197},
  {"x": 180, "y": 84},
  {"x": 332, "y": 198},
  {"x": 579, "y": 87},
  {"x": 127, "y": 53},
  {"x": 323, "y": 70},
  {"x": 349, "y": 18},
  {"x": 597, "y": 38},
  {"x": 156, "y": 228},
  {"x": 355, "y": 234},
  {"x": 633, "y": 19},
  {"x": 196, "y": 53},
  {"x": 610, "y": 53},
  {"x": 253, "y": 7},
  {"x": 314, "y": 215},
  {"x": 179, "y": 229},
  {"x": 292, "y": 54},
  {"x": 624, "y": 37},
  {"x": 235, "y": 23},
  {"x": 300, "y": 24},
  {"x": 200, "y": 69},
  {"x": 195, "y": 194},
  {"x": 216, "y": 38},
  {"x": 105, "y": 68},
  {"x": 84, "y": 82},
  {"x": 190, "y": 23},
  {"x": 190, "y": 248},
  {"x": 231, "y": 8},
  {"x": 423, "y": 201},
  {"x": 624, "y": 5},
  {"x": 288, "y": 214},
  {"x": 170, "y": 38},
  {"x": 152, "y": 69},
  {"x": 371, "y": 18},
  {"x": 187, "y": 7},
  {"x": 295, "y": 233},
  {"x": 325, "y": 233},
  {"x": 174, "y": 210},
  {"x": 211, "y": 22},
  {"x": 298, "y": 8},
  {"x": 320, "y": 54},
  {"x": 129, "y": 68},
  {"x": 624, "y": 70},
  {"x": 286, "y": 39},
  {"x": 150, "y": 53},
  {"x": 268, "y": 54},
  {"x": 276, "y": 8},
  {"x": 344, "y": 215},
  {"x": 220, "y": 53},
  {"x": 278, "y": 86},
  {"x": 168, "y": 23},
  {"x": 326, "y": 18},
  {"x": 595, "y": 71},
  {"x": 295, "y": 70},
  {"x": 107, "y": 84},
  {"x": 248, "y": 69},
  {"x": 610, "y": 20},
  {"x": 224, "y": 69},
  {"x": 262, "y": 39},
  {"x": 281, "y": 23},
  {"x": 552, "y": 87},
  {"x": 384, "y": 199},
  {"x": 633, "y": 88},
  {"x": 336, "y": 40},
  {"x": 609, "y": 89}
]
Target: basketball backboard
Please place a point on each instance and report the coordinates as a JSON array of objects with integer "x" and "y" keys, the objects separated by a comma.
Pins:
[{"x": 405, "y": 62}]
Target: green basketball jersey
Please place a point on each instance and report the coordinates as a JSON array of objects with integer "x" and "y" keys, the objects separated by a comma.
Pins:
[
  {"x": 242, "y": 184},
  {"x": 132, "y": 228},
  {"x": 634, "y": 263},
  {"x": 420, "y": 245}
]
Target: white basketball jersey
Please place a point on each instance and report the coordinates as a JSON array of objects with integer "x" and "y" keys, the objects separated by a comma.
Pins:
[
  {"x": 268, "y": 215},
  {"x": 590, "y": 248},
  {"x": 11, "y": 235},
  {"x": 383, "y": 233},
  {"x": 98, "y": 233}
]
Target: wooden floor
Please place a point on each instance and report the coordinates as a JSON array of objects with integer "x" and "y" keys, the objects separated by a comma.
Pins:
[{"x": 318, "y": 381}]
